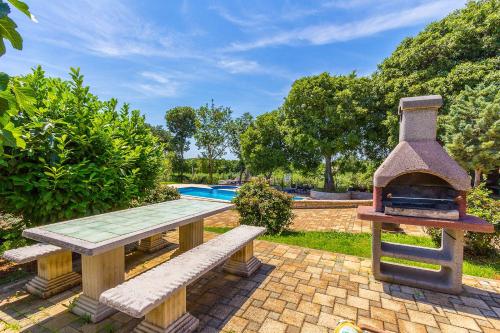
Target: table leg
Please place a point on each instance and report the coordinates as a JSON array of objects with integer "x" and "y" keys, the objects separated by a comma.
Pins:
[
  {"x": 243, "y": 262},
  {"x": 99, "y": 273},
  {"x": 190, "y": 236},
  {"x": 169, "y": 317},
  {"x": 153, "y": 243},
  {"x": 55, "y": 274}
]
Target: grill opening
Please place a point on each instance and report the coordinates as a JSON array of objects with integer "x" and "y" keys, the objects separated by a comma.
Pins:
[{"x": 422, "y": 195}]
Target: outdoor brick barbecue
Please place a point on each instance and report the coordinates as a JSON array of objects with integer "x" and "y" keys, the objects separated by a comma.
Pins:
[{"x": 420, "y": 184}]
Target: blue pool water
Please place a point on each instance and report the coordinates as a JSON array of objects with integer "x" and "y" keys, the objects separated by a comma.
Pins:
[{"x": 212, "y": 193}]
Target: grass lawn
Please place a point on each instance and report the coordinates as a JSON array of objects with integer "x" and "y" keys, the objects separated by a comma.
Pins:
[{"x": 360, "y": 245}]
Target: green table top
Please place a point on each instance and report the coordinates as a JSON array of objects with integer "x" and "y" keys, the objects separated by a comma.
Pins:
[{"x": 95, "y": 234}]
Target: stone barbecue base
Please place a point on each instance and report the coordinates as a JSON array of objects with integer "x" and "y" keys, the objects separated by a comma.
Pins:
[{"x": 449, "y": 257}]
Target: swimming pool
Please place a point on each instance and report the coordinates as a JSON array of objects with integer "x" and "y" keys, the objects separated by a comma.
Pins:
[
  {"x": 224, "y": 187},
  {"x": 212, "y": 193}
]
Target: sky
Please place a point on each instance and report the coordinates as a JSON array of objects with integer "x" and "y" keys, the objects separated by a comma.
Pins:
[{"x": 157, "y": 54}]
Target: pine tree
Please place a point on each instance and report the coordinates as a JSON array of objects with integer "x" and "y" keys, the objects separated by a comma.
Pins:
[{"x": 473, "y": 129}]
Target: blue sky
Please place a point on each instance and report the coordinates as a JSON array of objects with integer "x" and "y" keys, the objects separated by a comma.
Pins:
[{"x": 243, "y": 54}]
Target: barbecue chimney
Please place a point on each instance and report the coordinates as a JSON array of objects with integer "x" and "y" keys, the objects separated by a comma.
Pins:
[{"x": 419, "y": 178}]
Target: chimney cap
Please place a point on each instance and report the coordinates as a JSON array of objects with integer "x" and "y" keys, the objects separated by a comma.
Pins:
[{"x": 420, "y": 102}]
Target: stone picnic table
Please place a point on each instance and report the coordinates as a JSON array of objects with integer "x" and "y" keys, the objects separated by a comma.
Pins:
[{"x": 100, "y": 239}]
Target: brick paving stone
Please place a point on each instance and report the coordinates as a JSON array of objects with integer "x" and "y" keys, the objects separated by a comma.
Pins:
[
  {"x": 273, "y": 304},
  {"x": 309, "y": 308},
  {"x": 305, "y": 289},
  {"x": 345, "y": 311},
  {"x": 323, "y": 299},
  {"x": 337, "y": 292},
  {"x": 255, "y": 314},
  {"x": 383, "y": 314},
  {"x": 328, "y": 320},
  {"x": 422, "y": 318},
  {"x": 411, "y": 327},
  {"x": 369, "y": 294},
  {"x": 272, "y": 326},
  {"x": 462, "y": 321},
  {"x": 370, "y": 322},
  {"x": 291, "y": 317},
  {"x": 310, "y": 328},
  {"x": 358, "y": 302},
  {"x": 445, "y": 328},
  {"x": 236, "y": 324}
]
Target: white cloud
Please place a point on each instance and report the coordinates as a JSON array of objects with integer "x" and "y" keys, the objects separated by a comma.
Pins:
[
  {"x": 109, "y": 28},
  {"x": 330, "y": 33},
  {"x": 155, "y": 84},
  {"x": 236, "y": 66}
]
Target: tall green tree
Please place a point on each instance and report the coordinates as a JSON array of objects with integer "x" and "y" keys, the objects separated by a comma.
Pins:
[
  {"x": 459, "y": 50},
  {"x": 237, "y": 127},
  {"x": 211, "y": 133},
  {"x": 472, "y": 129},
  {"x": 263, "y": 146},
  {"x": 181, "y": 122},
  {"x": 323, "y": 116}
]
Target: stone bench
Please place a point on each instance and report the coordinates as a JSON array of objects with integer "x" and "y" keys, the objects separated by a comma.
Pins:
[
  {"x": 54, "y": 268},
  {"x": 160, "y": 294}
]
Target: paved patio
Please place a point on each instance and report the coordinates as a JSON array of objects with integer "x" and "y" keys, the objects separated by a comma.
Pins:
[
  {"x": 296, "y": 290},
  {"x": 329, "y": 219}
]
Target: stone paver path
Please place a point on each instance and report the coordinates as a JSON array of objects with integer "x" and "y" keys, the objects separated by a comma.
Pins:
[
  {"x": 330, "y": 219},
  {"x": 296, "y": 290}
]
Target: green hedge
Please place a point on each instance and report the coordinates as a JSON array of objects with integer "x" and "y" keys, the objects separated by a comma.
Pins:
[{"x": 82, "y": 156}]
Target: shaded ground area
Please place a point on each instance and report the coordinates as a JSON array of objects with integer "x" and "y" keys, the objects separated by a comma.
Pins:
[
  {"x": 296, "y": 290},
  {"x": 330, "y": 219}
]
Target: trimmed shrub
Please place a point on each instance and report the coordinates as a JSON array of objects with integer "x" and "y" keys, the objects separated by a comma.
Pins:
[
  {"x": 261, "y": 205},
  {"x": 481, "y": 204}
]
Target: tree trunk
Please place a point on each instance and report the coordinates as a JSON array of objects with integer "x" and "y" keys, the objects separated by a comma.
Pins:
[
  {"x": 210, "y": 176},
  {"x": 242, "y": 170},
  {"x": 329, "y": 185},
  {"x": 477, "y": 177},
  {"x": 181, "y": 165}
]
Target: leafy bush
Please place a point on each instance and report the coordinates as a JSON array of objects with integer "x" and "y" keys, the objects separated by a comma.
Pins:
[
  {"x": 481, "y": 204},
  {"x": 261, "y": 205},
  {"x": 82, "y": 156},
  {"x": 160, "y": 193}
]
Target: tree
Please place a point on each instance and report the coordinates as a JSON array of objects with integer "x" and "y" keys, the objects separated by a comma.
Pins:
[
  {"x": 162, "y": 135},
  {"x": 237, "y": 127},
  {"x": 262, "y": 145},
  {"x": 459, "y": 50},
  {"x": 181, "y": 121},
  {"x": 211, "y": 133},
  {"x": 472, "y": 129},
  {"x": 323, "y": 116}
]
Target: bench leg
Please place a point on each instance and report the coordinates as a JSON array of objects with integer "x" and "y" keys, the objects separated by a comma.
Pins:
[
  {"x": 169, "y": 317},
  {"x": 243, "y": 262},
  {"x": 100, "y": 273},
  {"x": 55, "y": 274},
  {"x": 153, "y": 243},
  {"x": 190, "y": 236}
]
